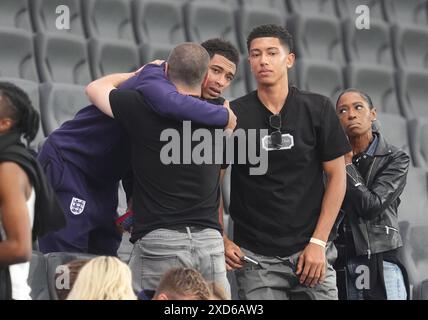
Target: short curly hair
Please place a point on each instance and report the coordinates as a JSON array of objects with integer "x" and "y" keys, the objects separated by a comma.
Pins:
[
  {"x": 188, "y": 282},
  {"x": 274, "y": 31},
  {"x": 223, "y": 48}
]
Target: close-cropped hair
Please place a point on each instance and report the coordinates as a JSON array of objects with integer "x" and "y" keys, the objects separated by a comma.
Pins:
[
  {"x": 223, "y": 48},
  {"x": 177, "y": 283},
  {"x": 271, "y": 31}
]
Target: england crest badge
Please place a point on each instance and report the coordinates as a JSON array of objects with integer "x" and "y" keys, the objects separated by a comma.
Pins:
[{"x": 77, "y": 206}]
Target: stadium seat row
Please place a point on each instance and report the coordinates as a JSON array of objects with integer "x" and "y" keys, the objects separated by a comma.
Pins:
[{"x": 171, "y": 21}]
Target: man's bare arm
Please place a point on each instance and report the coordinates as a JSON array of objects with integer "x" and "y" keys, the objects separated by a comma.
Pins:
[
  {"x": 312, "y": 262},
  {"x": 16, "y": 248},
  {"x": 333, "y": 197},
  {"x": 98, "y": 91}
]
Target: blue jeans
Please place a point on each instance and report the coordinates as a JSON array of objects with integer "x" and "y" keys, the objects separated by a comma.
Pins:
[
  {"x": 393, "y": 278},
  {"x": 394, "y": 282},
  {"x": 163, "y": 249}
]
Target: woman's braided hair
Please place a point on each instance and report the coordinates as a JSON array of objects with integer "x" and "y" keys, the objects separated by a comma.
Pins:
[{"x": 17, "y": 105}]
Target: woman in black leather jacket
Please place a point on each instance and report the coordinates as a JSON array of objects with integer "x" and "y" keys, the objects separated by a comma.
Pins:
[{"x": 376, "y": 176}]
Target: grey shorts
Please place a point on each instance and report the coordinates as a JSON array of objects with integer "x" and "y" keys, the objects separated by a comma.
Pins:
[
  {"x": 163, "y": 249},
  {"x": 275, "y": 279}
]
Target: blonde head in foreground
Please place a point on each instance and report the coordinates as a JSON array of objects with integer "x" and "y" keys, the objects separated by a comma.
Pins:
[{"x": 103, "y": 278}]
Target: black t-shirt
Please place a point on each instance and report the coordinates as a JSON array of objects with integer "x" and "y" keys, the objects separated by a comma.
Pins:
[
  {"x": 278, "y": 212},
  {"x": 164, "y": 195}
]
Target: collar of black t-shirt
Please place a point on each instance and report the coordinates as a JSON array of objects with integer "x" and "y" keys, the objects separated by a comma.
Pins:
[
  {"x": 217, "y": 101},
  {"x": 285, "y": 108}
]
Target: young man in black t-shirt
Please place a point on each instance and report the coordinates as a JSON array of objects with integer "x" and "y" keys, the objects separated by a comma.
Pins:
[{"x": 284, "y": 217}]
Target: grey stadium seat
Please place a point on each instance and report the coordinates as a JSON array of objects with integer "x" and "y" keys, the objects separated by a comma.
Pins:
[
  {"x": 413, "y": 217},
  {"x": 59, "y": 103},
  {"x": 32, "y": 89},
  {"x": 407, "y": 12},
  {"x": 279, "y": 5},
  {"x": 150, "y": 52},
  {"x": 414, "y": 256},
  {"x": 56, "y": 259},
  {"x": 394, "y": 128},
  {"x": 372, "y": 46},
  {"x": 313, "y": 7},
  {"x": 230, "y": 3},
  {"x": 109, "y": 19},
  {"x": 252, "y": 16},
  {"x": 206, "y": 20},
  {"x": 112, "y": 56},
  {"x": 15, "y": 14},
  {"x": 378, "y": 82},
  {"x": 408, "y": 49},
  {"x": 346, "y": 8},
  {"x": 159, "y": 21},
  {"x": 37, "y": 277},
  {"x": 419, "y": 142},
  {"x": 62, "y": 59},
  {"x": 45, "y": 17},
  {"x": 323, "y": 77},
  {"x": 414, "y": 200},
  {"x": 17, "y": 55},
  {"x": 317, "y": 37},
  {"x": 413, "y": 92}
]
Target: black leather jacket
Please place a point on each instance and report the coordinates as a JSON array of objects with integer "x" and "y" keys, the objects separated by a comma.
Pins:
[{"x": 372, "y": 198}]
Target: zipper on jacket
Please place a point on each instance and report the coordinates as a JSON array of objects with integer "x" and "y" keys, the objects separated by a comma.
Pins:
[
  {"x": 371, "y": 168},
  {"x": 368, "y": 233}
]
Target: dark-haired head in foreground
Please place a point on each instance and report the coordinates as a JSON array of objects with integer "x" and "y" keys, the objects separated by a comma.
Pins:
[{"x": 17, "y": 112}]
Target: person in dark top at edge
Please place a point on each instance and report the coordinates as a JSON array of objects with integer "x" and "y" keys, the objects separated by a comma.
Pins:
[
  {"x": 28, "y": 205},
  {"x": 369, "y": 234}
]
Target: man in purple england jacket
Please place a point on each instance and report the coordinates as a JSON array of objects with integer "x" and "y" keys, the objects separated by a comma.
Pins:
[{"x": 87, "y": 156}]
